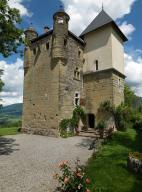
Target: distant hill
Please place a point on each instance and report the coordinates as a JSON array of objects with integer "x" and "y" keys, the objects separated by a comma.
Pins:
[{"x": 12, "y": 110}]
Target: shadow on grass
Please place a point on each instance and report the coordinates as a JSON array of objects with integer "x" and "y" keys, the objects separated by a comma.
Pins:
[
  {"x": 109, "y": 168},
  {"x": 7, "y": 146}
]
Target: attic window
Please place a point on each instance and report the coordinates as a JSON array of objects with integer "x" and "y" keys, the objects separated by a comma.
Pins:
[
  {"x": 47, "y": 46},
  {"x": 97, "y": 65}
]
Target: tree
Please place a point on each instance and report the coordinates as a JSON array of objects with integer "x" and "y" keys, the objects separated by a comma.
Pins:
[
  {"x": 129, "y": 96},
  {"x": 10, "y": 34},
  {"x": 1, "y": 82}
]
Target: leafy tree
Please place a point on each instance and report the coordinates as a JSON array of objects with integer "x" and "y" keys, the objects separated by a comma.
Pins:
[
  {"x": 1, "y": 83},
  {"x": 129, "y": 96},
  {"x": 10, "y": 34}
]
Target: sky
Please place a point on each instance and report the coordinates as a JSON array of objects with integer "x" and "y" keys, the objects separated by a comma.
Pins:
[{"x": 127, "y": 15}]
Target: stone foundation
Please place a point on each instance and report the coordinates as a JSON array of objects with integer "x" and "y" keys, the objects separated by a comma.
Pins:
[
  {"x": 44, "y": 132},
  {"x": 134, "y": 165}
]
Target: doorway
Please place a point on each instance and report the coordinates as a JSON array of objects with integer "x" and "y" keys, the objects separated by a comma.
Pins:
[{"x": 91, "y": 120}]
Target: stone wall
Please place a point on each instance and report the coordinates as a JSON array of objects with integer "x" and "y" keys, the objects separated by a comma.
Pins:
[
  {"x": 41, "y": 85},
  {"x": 50, "y": 86},
  {"x": 69, "y": 84},
  {"x": 102, "y": 86}
]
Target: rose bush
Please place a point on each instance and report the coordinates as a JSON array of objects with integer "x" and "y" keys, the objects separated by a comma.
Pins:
[{"x": 73, "y": 180}]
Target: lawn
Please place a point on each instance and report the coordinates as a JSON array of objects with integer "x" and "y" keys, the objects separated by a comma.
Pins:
[
  {"x": 8, "y": 131},
  {"x": 108, "y": 170}
]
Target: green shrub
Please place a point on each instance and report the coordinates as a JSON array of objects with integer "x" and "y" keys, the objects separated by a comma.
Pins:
[
  {"x": 123, "y": 116},
  {"x": 137, "y": 121},
  {"x": 106, "y": 107},
  {"x": 101, "y": 125}
]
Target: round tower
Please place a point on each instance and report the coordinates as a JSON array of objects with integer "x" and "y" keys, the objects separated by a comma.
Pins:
[
  {"x": 30, "y": 33},
  {"x": 60, "y": 35}
]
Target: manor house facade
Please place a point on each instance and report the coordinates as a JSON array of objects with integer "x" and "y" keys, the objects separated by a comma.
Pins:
[{"x": 62, "y": 70}]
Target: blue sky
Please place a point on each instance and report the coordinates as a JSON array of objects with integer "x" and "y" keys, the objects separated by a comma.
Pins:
[{"x": 127, "y": 14}]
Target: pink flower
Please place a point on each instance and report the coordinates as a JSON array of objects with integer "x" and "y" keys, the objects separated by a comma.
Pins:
[
  {"x": 66, "y": 180},
  {"x": 88, "y": 190},
  {"x": 88, "y": 181}
]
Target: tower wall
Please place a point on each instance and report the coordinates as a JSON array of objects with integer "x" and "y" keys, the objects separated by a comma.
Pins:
[
  {"x": 69, "y": 84},
  {"x": 41, "y": 85},
  {"x": 98, "y": 47}
]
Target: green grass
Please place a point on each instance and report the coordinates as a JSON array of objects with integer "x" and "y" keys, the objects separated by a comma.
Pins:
[
  {"x": 8, "y": 131},
  {"x": 108, "y": 170}
]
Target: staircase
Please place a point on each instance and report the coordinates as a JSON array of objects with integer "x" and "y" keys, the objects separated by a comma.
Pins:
[{"x": 89, "y": 133}]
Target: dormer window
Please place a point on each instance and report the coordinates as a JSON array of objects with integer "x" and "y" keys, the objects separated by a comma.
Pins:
[{"x": 60, "y": 20}]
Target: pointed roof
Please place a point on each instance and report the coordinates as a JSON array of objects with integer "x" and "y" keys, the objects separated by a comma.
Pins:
[{"x": 101, "y": 20}]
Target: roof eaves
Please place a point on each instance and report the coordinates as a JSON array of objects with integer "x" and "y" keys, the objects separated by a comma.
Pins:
[{"x": 42, "y": 36}]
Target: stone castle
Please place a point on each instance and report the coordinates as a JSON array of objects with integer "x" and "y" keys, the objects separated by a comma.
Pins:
[{"x": 62, "y": 71}]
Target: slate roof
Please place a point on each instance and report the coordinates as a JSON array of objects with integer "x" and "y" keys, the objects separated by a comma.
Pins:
[
  {"x": 101, "y": 20},
  {"x": 50, "y": 33}
]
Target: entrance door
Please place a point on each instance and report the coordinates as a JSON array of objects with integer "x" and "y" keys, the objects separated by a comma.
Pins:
[{"x": 91, "y": 121}]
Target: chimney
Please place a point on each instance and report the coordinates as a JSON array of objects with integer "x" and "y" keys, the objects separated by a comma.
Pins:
[{"x": 46, "y": 29}]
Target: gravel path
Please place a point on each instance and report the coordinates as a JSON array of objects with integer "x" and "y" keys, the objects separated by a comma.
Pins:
[{"x": 28, "y": 162}]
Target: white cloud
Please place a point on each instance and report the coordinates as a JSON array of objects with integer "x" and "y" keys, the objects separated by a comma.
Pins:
[
  {"x": 82, "y": 12},
  {"x": 18, "y": 5},
  {"x": 13, "y": 79},
  {"x": 133, "y": 70},
  {"x": 127, "y": 29}
]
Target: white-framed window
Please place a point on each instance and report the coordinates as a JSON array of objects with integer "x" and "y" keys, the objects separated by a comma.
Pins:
[
  {"x": 77, "y": 98},
  {"x": 77, "y": 74},
  {"x": 60, "y": 20}
]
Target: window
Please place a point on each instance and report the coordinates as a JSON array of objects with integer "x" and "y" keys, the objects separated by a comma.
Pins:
[
  {"x": 34, "y": 51},
  {"x": 47, "y": 46},
  {"x": 119, "y": 82},
  {"x": 65, "y": 42},
  {"x": 77, "y": 99},
  {"x": 77, "y": 74},
  {"x": 60, "y": 20},
  {"x": 79, "y": 53},
  {"x": 97, "y": 66}
]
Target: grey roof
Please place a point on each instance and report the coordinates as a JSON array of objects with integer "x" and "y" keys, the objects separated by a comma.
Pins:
[
  {"x": 101, "y": 20},
  {"x": 51, "y": 31}
]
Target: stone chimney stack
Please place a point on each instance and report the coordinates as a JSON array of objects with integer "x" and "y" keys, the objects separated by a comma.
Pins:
[{"x": 46, "y": 29}]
